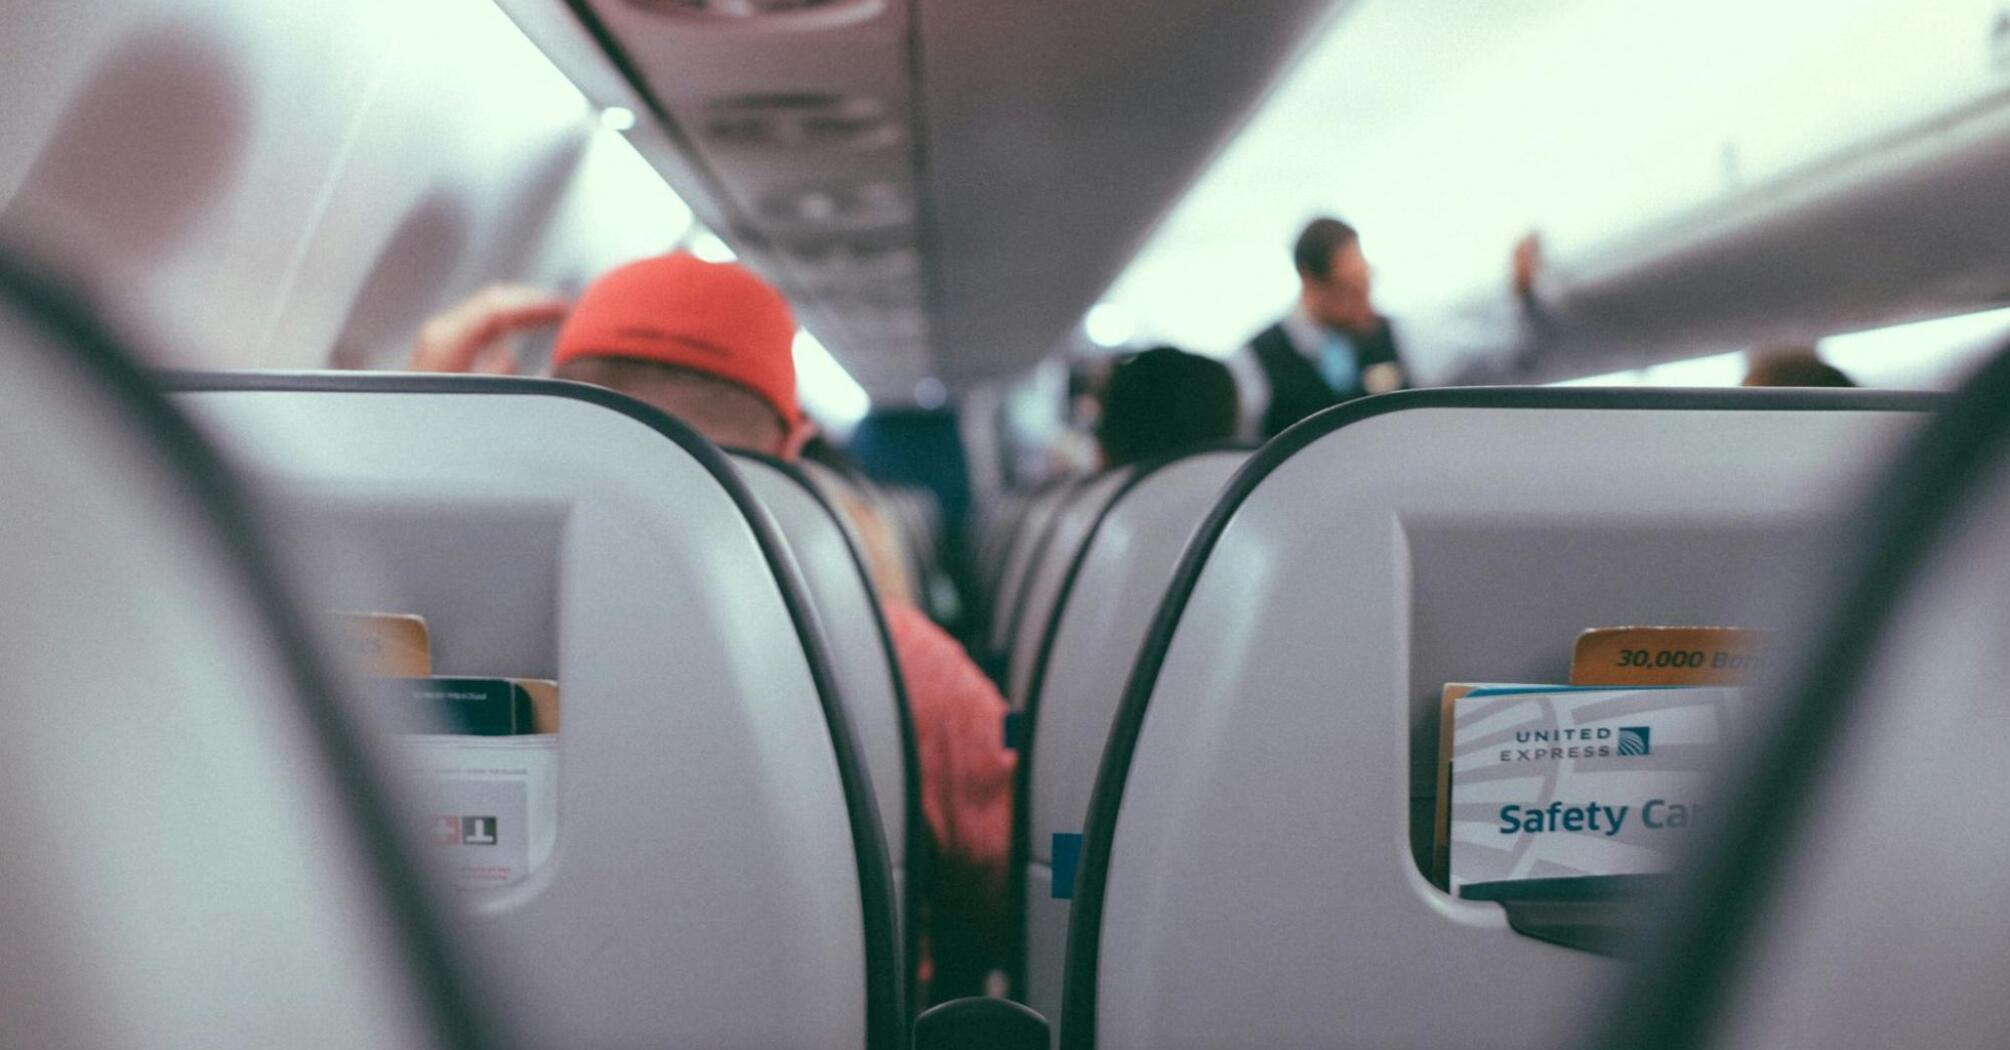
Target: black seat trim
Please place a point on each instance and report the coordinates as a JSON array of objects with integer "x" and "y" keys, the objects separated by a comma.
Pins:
[
  {"x": 918, "y": 841},
  {"x": 1016, "y": 611}
]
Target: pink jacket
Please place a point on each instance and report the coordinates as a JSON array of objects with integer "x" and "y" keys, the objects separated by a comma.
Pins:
[{"x": 959, "y": 738}]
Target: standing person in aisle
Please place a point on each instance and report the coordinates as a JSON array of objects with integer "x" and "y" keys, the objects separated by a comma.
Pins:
[{"x": 1332, "y": 347}]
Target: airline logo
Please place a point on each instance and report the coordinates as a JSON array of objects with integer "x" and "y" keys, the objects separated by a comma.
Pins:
[{"x": 1549, "y": 745}]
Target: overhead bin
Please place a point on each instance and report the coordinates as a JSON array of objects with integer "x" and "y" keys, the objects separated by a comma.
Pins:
[
  {"x": 1103, "y": 605},
  {"x": 718, "y": 876},
  {"x": 862, "y": 660},
  {"x": 198, "y": 854},
  {"x": 1253, "y": 871},
  {"x": 1787, "y": 260},
  {"x": 1855, "y": 895}
]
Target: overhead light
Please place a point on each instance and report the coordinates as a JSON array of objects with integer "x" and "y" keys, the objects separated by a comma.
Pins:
[
  {"x": 638, "y": 211},
  {"x": 1110, "y": 325},
  {"x": 1932, "y": 354},
  {"x": 617, "y": 118},
  {"x": 706, "y": 245},
  {"x": 930, "y": 393},
  {"x": 1713, "y": 370},
  {"x": 1726, "y": 369},
  {"x": 1624, "y": 377},
  {"x": 829, "y": 394}
]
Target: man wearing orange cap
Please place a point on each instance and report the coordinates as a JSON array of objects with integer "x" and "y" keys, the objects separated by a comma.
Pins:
[{"x": 713, "y": 345}]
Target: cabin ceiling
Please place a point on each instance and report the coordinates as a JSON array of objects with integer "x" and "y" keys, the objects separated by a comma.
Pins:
[{"x": 943, "y": 187}]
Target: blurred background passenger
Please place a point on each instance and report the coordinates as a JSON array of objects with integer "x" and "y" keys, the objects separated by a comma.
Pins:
[
  {"x": 878, "y": 541},
  {"x": 1524, "y": 336},
  {"x": 1162, "y": 401},
  {"x": 1793, "y": 366},
  {"x": 1070, "y": 448},
  {"x": 1332, "y": 347}
]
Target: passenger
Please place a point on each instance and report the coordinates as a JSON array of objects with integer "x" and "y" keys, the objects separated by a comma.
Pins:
[
  {"x": 1333, "y": 347},
  {"x": 880, "y": 544},
  {"x": 712, "y": 344},
  {"x": 1071, "y": 447},
  {"x": 1794, "y": 366},
  {"x": 1164, "y": 400}
]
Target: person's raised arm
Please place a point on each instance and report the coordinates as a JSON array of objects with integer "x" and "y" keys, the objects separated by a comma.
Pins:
[
  {"x": 474, "y": 336},
  {"x": 1525, "y": 266}
]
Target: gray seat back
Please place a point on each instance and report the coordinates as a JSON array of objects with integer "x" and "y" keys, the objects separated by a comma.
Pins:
[
  {"x": 1105, "y": 605},
  {"x": 862, "y": 655},
  {"x": 1855, "y": 897},
  {"x": 920, "y": 518},
  {"x": 1253, "y": 872},
  {"x": 198, "y": 855},
  {"x": 1049, "y": 569},
  {"x": 994, "y": 530},
  {"x": 718, "y": 876},
  {"x": 1022, "y": 550}
]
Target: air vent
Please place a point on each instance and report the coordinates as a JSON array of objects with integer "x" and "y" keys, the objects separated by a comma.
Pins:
[
  {"x": 792, "y": 120},
  {"x": 855, "y": 259},
  {"x": 884, "y": 296},
  {"x": 886, "y": 327},
  {"x": 876, "y": 203},
  {"x": 804, "y": 13}
]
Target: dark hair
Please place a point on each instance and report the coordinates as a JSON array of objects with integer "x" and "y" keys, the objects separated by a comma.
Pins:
[
  {"x": 1164, "y": 400},
  {"x": 1794, "y": 366},
  {"x": 1313, "y": 254}
]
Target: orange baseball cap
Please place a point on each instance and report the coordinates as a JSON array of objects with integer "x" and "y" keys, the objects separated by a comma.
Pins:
[{"x": 677, "y": 309}]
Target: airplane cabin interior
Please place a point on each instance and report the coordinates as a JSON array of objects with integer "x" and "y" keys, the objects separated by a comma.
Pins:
[{"x": 929, "y": 525}]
